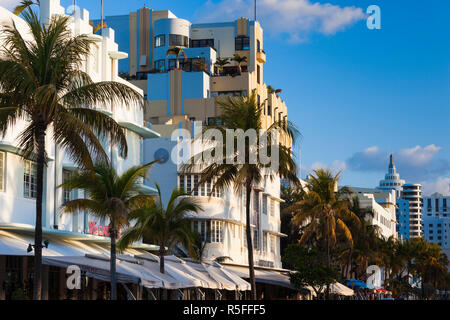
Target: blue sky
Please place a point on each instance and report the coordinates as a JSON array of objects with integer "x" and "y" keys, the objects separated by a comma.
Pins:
[{"x": 355, "y": 94}]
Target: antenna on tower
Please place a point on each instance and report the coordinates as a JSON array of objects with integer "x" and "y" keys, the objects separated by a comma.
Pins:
[
  {"x": 255, "y": 10},
  {"x": 102, "y": 17}
]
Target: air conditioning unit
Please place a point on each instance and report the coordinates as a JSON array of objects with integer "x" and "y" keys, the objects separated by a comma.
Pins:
[{"x": 143, "y": 60}]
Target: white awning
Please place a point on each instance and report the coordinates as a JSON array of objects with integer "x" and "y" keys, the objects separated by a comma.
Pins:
[
  {"x": 220, "y": 277},
  {"x": 172, "y": 279},
  {"x": 13, "y": 243},
  {"x": 196, "y": 271},
  {"x": 340, "y": 289},
  {"x": 262, "y": 276},
  {"x": 96, "y": 267}
]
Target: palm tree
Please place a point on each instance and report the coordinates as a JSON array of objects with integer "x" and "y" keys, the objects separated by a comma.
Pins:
[
  {"x": 365, "y": 240},
  {"x": 163, "y": 226},
  {"x": 244, "y": 113},
  {"x": 221, "y": 62},
  {"x": 109, "y": 196},
  {"x": 41, "y": 82},
  {"x": 290, "y": 195},
  {"x": 177, "y": 52},
  {"x": 25, "y": 4},
  {"x": 239, "y": 60},
  {"x": 323, "y": 211}
]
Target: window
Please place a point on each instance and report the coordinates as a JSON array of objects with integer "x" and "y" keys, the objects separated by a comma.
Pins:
[
  {"x": 255, "y": 239},
  {"x": 269, "y": 110},
  {"x": 235, "y": 93},
  {"x": 216, "y": 231},
  {"x": 182, "y": 183},
  {"x": 160, "y": 65},
  {"x": 272, "y": 208},
  {"x": 2, "y": 171},
  {"x": 255, "y": 208},
  {"x": 160, "y": 40},
  {"x": 201, "y": 43},
  {"x": 203, "y": 231},
  {"x": 66, "y": 192},
  {"x": 258, "y": 74},
  {"x": 264, "y": 248},
  {"x": 178, "y": 40},
  {"x": 242, "y": 43},
  {"x": 258, "y": 46},
  {"x": 202, "y": 192},
  {"x": 195, "y": 185},
  {"x": 29, "y": 180},
  {"x": 273, "y": 240},
  {"x": 189, "y": 184},
  {"x": 264, "y": 204}
]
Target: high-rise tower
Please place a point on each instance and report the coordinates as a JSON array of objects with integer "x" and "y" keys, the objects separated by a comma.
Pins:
[{"x": 392, "y": 179}]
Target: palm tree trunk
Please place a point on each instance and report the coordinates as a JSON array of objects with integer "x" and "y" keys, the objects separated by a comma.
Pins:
[
  {"x": 37, "y": 281},
  {"x": 162, "y": 252},
  {"x": 327, "y": 295},
  {"x": 249, "y": 242},
  {"x": 113, "y": 235}
]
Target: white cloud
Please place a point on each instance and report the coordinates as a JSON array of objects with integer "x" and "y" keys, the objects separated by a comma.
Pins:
[
  {"x": 9, "y": 4},
  {"x": 441, "y": 185},
  {"x": 418, "y": 156},
  {"x": 294, "y": 18},
  {"x": 414, "y": 164}
]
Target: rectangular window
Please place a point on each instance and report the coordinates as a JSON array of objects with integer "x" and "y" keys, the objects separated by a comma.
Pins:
[
  {"x": 255, "y": 239},
  {"x": 2, "y": 171},
  {"x": 203, "y": 230},
  {"x": 242, "y": 43},
  {"x": 258, "y": 74},
  {"x": 195, "y": 226},
  {"x": 264, "y": 248},
  {"x": 189, "y": 184},
  {"x": 202, "y": 190},
  {"x": 216, "y": 231},
  {"x": 208, "y": 187},
  {"x": 178, "y": 40},
  {"x": 258, "y": 45},
  {"x": 29, "y": 180},
  {"x": 264, "y": 205},
  {"x": 195, "y": 185},
  {"x": 182, "y": 183},
  {"x": 201, "y": 43},
  {"x": 160, "y": 40},
  {"x": 273, "y": 241},
  {"x": 272, "y": 207},
  {"x": 245, "y": 237},
  {"x": 66, "y": 192}
]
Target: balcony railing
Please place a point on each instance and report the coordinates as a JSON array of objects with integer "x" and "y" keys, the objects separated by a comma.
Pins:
[{"x": 261, "y": 56}]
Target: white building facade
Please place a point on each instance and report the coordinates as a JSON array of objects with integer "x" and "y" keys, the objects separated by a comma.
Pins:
[
  {"x": 413, "y": 194},
  {"x": 222, "y": 221},
  {"x": 18, "y": 176},
  {"x": 383, "y": 207}
]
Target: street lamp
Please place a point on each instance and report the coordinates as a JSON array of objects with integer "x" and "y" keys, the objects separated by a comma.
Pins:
[{"x": 31, "y": 246}]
